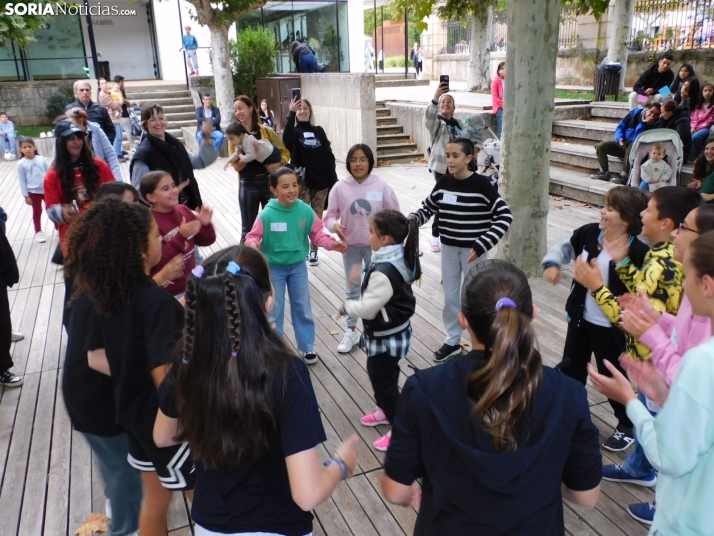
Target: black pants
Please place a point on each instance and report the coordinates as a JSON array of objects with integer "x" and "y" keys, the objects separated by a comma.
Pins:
[
  {"x": 252, "y": 193},
  {"x": 5, "y": 329},
  {"x": 582, "y": 340},
  {"x": 383, "y": 370},
  {"x": 67, "y": 311},
  {"x": 435, "y": 224}
]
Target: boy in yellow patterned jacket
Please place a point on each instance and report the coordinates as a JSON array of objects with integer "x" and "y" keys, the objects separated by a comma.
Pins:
[{"x": 661, "y": 275}]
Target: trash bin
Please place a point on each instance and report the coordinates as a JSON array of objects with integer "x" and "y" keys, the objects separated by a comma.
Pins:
[{"x": 607, "y": 80}]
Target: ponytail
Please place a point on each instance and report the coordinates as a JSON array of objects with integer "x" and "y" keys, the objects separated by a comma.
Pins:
[
  {"x": 498, "y": 306},
  {"x": 402, "y": 231}
]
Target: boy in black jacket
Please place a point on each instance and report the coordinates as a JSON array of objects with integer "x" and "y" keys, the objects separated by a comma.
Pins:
[
  {"x": 589, "y": 330},
  {"x": 9, "y": 275},
  {"x": 652, "y": 80}
]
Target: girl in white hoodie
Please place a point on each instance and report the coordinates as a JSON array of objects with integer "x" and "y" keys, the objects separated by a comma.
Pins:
[{"x": 352, "y": 203}]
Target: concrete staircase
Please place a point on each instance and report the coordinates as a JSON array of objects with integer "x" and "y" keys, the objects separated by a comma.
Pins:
[
  {"x": 398, "y": 80},
  {"x": 393, "y": 145},
  {"x": 573, "y": 158},
  {"x": 175, "y": 99}
]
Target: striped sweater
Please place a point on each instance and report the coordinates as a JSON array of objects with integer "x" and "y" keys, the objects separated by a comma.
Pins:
[{"x": 471, "y": 213}]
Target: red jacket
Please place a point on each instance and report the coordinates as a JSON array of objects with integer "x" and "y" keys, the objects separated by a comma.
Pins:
[
  {"x": 54, "y": 195},
  {"x": 175, "y": 243}
]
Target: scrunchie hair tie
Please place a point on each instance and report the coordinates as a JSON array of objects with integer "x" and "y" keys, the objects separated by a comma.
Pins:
[
  {"x": 233, "y": 268},
  {"x": 198, "y": 271},
  {"x": 505, "y": 302}
]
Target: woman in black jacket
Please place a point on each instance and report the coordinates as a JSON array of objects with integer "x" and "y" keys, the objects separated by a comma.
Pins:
[
  {"x": 675, "y": 118},
  {"x": 310, "y": 149}
]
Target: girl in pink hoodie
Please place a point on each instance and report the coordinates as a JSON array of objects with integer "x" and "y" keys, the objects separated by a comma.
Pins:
[
  {"x": 702, "y": 119},
  {"x": 352, "y": 203}
]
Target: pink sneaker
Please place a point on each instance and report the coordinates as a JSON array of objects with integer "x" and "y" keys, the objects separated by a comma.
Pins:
[
  {"x": 382, "y": 444},
  {"x": 375, "y": 418}
]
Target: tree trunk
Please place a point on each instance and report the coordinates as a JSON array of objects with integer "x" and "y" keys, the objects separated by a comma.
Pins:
[
  {"x": 621, "y": 26},
  {"x": 222, "y": 74},
  {"x": 528, "y": 118},
  {"x": 480, "y": 54}
]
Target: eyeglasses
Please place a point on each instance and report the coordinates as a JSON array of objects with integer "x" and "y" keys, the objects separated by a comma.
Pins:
[
  {"x": 684, "y": 227},
  {"x": 362, "y": 160}
]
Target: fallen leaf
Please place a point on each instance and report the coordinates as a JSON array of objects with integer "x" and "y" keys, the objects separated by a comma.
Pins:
[
  {"x": 334, "y": 332},
  {"x": 559, "y": 207},
  {"x": 93, "y": 523},
  {"x": 559, "y": 198},
  {"x": 567, "y": 204},
  {"x": 588, "y": 205}
]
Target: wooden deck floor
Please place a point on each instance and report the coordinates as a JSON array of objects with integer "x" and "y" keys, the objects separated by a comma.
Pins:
[{"x": 49, "y": 480}]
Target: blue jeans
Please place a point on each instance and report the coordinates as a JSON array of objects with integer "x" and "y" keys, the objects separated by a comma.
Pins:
[
  {"x": 699, "y": 138},
  {"x": 636, "y": 463},
  {"x": 644, "y": 186},
  {"x": 123, "y": 482},
  {"x": 8, "y": 142},
  {"x": 117, "y": 141},
  {"x": 308, "y": 64},
  {"x": 499, "y": 122},
  {"x": 294, "y": 276},
  {"x": 217, "y": 137}
]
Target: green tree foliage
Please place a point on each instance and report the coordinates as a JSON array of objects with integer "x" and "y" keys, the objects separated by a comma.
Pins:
[
  {"x": 253, "y": 55},
  {"x": 19, "y": 28}
]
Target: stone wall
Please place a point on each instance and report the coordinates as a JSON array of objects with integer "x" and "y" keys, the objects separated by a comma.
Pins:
[
  {"x": 344, "y": 105},
  {"x": 26, "y": 102}
]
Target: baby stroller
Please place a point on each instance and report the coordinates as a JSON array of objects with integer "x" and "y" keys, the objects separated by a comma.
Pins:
[
  {"x": 135, "y": 119},
  {"x": 488, "y": 158},
  {"x": 642, "y": 146}
]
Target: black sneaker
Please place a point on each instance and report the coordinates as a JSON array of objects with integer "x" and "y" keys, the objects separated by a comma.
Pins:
[
  {"x": 602, "y": 176},
  {"x": 310, "y": 358},
  {"x": 446, "y": 351},
  {"x": 8, "y": 379},
  {"x": 312, "y": 258},
  {"x": 618, "y": 441},
  {"x": 621, "y": 179}
]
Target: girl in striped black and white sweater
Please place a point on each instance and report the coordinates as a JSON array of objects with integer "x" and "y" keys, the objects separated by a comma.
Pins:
[{"x": 472, "y": 219}]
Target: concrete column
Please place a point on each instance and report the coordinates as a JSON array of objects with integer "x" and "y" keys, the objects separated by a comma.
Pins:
[{"x": 344, "y": 105}]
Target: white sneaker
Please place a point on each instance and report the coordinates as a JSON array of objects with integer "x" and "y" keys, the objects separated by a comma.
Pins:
[
  {"x": 435, "y": 245},
  {"x": 9, "y": 157},
  {"x": 16, "y": 336},
  {"x": 351, "y": 338},
  {"x": 40, "y": 237},
  {"x": 108, "y": 508}
]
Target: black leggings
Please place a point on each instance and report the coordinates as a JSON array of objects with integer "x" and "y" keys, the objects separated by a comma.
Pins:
[
  {"x": 383, "y": 371},
  {"x": 252, "y": 193}
]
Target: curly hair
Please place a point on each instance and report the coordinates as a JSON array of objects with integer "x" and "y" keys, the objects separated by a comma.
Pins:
[
  {"x": 106, "y": 248},
  {"x": 229, "y": 358},
  {"x": 65, "y": 167}
]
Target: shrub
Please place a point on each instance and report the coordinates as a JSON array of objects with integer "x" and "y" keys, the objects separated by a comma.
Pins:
[
  {"x": 57, "y": 102},
  {"x": 394, "y": 61},
  {"x": 253, "y": 56}
]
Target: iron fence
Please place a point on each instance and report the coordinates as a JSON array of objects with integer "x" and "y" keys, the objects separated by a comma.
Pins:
[{"x": 672, "y": 25}]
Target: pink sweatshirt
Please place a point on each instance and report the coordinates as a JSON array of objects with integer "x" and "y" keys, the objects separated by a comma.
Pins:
[
  {"x": 496, "y": 93},
  {"x": 702, "y": 118},
  {"x": 673, "y": 336},
  {"x": 353, "y": 204}
]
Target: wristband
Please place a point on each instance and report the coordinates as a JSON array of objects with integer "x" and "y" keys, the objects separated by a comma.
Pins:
[
  {"x": 341, "y": 463},
  {"x": 434, "y": 101},
  {"x": 623, "y": 262}
]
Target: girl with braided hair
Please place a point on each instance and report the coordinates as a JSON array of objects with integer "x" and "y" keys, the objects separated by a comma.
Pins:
[
  {"x": 246, "y": 406},
  {"x": 112, "y": 248}
]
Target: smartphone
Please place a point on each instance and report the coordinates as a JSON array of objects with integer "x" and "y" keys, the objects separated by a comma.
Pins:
[
  {"x": 444, "y": 79},
  {"x": 296, "y": 93}
]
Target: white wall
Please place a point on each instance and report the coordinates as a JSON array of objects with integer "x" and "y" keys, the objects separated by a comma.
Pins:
[{"x": 355, "y": 19}]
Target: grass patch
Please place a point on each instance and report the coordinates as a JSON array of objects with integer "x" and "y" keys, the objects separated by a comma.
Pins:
[
  {"x": 586, "y": 95},
  {"x": 32, "y": 131}
]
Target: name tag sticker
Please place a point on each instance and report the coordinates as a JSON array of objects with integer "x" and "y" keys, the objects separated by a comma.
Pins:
[
  {"x": 448, "y": 198},
  {"x": 279, "y": 227},
  {"x": 308, "y": 135},
  {"x": 374, "y": 196}
]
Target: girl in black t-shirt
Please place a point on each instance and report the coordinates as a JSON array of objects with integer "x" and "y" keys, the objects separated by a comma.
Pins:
[
  {"x": 111, "y": 250},
  {"x": 246, "y": 406}
]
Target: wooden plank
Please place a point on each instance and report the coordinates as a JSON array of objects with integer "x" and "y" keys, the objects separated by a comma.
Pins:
[
  {"x": 57, "y": 509},
  {"x": 80, "y": 491},
  {"x": 404, "y": 516},
  {"x": 374, "y": 507}
]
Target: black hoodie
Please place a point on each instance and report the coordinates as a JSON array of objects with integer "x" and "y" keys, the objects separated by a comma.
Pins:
[
  {"x": 680, "y": 123},
  {"x": 469, "y": 488},
  {"x": 652, "y": 78}
]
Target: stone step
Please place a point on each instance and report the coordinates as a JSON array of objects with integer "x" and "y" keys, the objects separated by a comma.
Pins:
[
  {"x": 593, "y": 131},
  {"x": 386, "y": 139},
  {"x": 609, "y": 110},
  {"x": 386, "y": 121},
  {"x": 157, "y": 95},
  {"x": 181, "y": 123},
  {"x": 394, "y": 148},
  {"x": 182, "y": 101},
  {"x": 583, "y": 158},
  {"x": 578, "y": 185},
  {"x": 399, "y": 158},
  {"x": 380, "y": 104},
  {"x": 394, "y": 76},
  {"x": 180, "y": 108},
  {"x": 137, "y": 87},
  {"x": 383, "y": 112},
  {"x": 172, "y": 116},
  {"x": 400, "y": 83},
  {"x": 389, "y": 129},
  {"x": 177, "y": 132}
]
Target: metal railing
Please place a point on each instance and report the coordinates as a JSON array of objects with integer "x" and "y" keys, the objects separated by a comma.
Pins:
[{"x": 672, "y": 25}]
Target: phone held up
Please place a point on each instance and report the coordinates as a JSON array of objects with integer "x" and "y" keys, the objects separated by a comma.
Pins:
[
  {"x": 444, "y": 79},
  {"x": 296, "y": 93}
]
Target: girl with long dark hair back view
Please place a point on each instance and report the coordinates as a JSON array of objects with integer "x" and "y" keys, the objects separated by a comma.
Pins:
[
  {"x": 246, "y": 406},
  {"x": 498, "y": 439}
]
